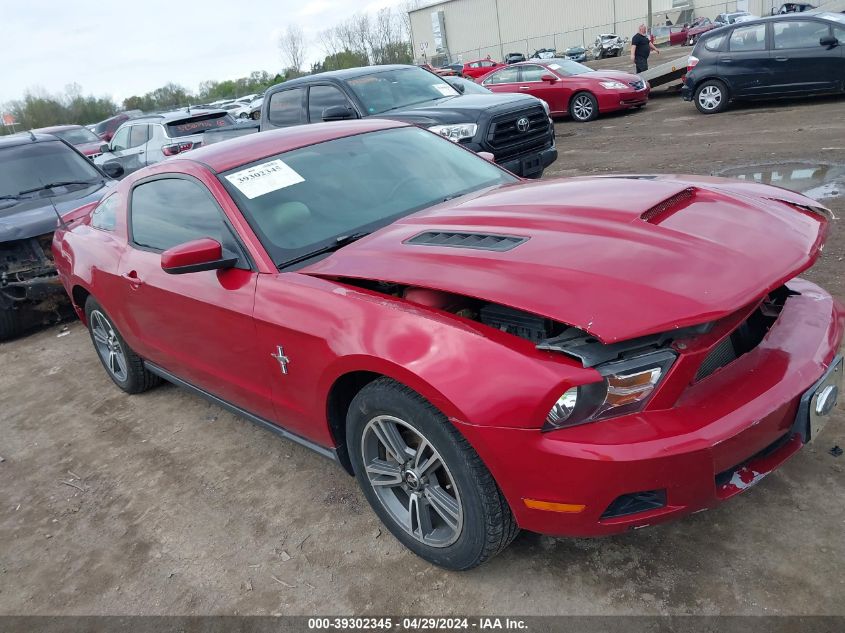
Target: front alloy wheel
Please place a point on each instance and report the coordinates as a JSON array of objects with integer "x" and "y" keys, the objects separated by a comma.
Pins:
[
  {"x": 411, "y": 481},
  {"x": 423, "y": 479},
  {"x": 584, "y": 107}
]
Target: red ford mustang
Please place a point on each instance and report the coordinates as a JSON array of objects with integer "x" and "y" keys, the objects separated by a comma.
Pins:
[
  {"x": 574, "y": 357},
  {"x": 571, "y": 88}
]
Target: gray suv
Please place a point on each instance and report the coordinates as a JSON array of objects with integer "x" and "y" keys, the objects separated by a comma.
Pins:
[{"x": 151, "y": 138}]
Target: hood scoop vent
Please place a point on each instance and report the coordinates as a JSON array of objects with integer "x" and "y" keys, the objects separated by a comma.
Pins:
[
  {"x": 477, "y": 241},
  {"x": 670, "y": 205}
]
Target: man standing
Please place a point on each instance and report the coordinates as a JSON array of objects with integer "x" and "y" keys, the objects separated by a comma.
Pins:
[{"x": 641, "y": 47}]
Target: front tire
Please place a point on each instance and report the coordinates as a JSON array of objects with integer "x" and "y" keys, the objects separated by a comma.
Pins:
[
  {"x": 423, "y": 479},
  {"x": 122, "y": 365},
  {"x": 583, "y": 107},
  {"x": 711, "y": 97}
]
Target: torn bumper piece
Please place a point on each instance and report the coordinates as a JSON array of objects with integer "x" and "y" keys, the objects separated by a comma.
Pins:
[{"x": 725, "y": 433}]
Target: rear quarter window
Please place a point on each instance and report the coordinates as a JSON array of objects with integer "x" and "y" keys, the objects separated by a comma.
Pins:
[
  {"x": 716, "y": 43},
  {"x": 104, "y": 215}
]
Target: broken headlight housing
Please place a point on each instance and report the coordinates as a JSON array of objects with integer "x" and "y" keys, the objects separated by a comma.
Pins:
[{"x": 627, "y": 387}]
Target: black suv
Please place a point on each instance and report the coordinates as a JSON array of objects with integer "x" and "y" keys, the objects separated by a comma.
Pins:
[
  {"x": 516, "y": 129},
  {"x": 41, "y": 177},
  {"x": 781, "y": 56}
]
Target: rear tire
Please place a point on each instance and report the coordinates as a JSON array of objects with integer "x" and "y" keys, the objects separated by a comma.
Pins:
[
  {"x": 583, "y": 107},
  {"x": 711, "y": 97},
  {"x": 122, "y": 365},
  {"x": 424, "y": 481},
  {"x": 11, "y": 323}
]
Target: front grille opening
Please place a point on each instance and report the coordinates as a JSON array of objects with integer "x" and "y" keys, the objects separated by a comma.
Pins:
[
  {"x": 507, "y": 140},
  {"x": 723, "y": 478},
  {"x": 635, "y": 502},
  {"x": 747, "y": 336},
  {"x": 477, "y": 241}
]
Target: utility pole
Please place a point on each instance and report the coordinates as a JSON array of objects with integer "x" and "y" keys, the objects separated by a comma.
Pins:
[
  {"x": 648, "y": 17},
  {"x": 499, "y": 29}
]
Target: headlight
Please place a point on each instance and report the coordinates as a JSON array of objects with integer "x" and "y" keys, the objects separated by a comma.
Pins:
[
  {"x": 626, "y": 388},
  {"x": 563, "y": 408},
  {"x": 545, "y": 107},
  {"x": 613, "y": 85},
  {"x": 456, "y": 132}
]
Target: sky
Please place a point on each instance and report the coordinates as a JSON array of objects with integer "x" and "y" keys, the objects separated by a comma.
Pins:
[{"x": 120, "y": 49}]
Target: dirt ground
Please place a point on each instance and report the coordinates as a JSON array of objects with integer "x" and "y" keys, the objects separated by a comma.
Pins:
[{"x": 165, "y": 504}]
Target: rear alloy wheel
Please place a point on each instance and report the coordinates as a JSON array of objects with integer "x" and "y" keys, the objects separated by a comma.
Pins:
[
  {"x": 122, "y": 365},
  {"x": 583, "y": 107},
  {"x": 424, "y": 480},
  {"x": 711, "y": 97}
]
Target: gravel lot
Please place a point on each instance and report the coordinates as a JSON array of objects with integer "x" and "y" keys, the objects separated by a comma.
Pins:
[{"x": 165, "y": 504}]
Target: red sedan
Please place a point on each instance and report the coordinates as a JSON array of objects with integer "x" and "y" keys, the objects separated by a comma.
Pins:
[
  {"x": 571, "y": 88},
  {"x": 573, "y": 357},
  {"x": 480, "y": 67},
  {"x": 80, "y": 137}
]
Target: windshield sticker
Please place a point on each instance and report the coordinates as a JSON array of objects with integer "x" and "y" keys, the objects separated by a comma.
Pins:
[
  {"x": 445, "y": 89},
  {"x": 261, "y": 179},
  {"x": 554, "y": 66}
]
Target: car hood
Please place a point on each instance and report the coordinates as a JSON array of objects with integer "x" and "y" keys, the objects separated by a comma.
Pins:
[
  {"x": 460, "y": 109},
  {"x": 618, "y": 257},
  {"x": 32, "y": 217},
  {"x": 609, "y": 75}
]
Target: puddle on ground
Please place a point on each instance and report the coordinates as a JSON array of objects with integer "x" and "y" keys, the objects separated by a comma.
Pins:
[{"x": 817, "y": 181}]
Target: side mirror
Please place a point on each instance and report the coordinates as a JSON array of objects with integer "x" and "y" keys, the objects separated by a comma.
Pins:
[
  {"x": 487, "y": 156},
  {"x": 195, "y": 256},
  {"x": 829, "y": 40},
  {"x": 113, "y": 169},
  {"x": 549, "y": 78},
  {"x": 339, "y": 113},
  {"x": 104, "y": 148},
  {"x": 459, "y": 87}
]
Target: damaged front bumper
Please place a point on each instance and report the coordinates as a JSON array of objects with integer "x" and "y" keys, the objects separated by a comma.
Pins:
[
  {"x": 28, "y": 275},
  {"x": 724, "y": 434}
]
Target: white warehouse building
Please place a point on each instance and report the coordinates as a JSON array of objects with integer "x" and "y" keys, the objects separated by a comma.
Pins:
[{"x": 466, "y": 30}]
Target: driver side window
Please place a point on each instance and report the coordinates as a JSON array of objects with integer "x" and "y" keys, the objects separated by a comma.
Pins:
[
  {"x": 171, "y": 211},
  {"x": 121, "y": 139}
]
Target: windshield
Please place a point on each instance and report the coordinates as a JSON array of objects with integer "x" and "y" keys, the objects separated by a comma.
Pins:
[
  {"x": 77, "y": 136},
  {"x": 304, "y": 200},
  {"x": 391, "y": 89},
  {"x": 567, "y": 67},
  {"x": 33, "y": 165}
]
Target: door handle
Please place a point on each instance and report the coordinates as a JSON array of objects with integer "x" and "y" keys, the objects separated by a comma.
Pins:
[
  {"x": 727, "y": 60},
  {"x": 132, "y": 278},
  {"x": 781, "y": 59},
  {"x": 525, "y": 88}
]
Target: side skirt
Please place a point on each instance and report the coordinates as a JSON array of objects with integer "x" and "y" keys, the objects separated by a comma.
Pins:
[{"x": 330, "y": 453}]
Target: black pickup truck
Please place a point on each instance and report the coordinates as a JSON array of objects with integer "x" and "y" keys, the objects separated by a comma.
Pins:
[{"x": 515, "y": 128}]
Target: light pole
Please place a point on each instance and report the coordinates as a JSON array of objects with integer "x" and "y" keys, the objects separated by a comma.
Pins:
[{"x": 648, "y": 17}]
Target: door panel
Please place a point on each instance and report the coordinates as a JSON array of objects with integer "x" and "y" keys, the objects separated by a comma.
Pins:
[
  {"x": 747, "y": 64},
  {"x": 555, "y": 94},
  {"x": 199, "y": 326},
  {"x": 802, "y": 64}
]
